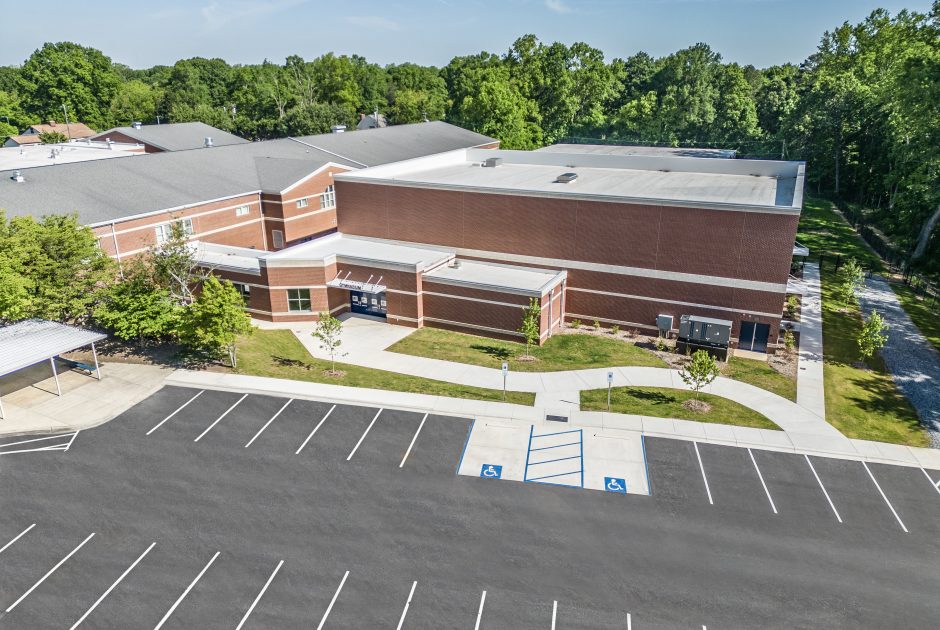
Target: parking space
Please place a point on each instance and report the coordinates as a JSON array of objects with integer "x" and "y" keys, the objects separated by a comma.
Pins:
[{"x": 224, "y": 510}]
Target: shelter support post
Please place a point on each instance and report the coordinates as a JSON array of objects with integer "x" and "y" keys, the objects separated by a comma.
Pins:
[
  {"x": 94, "y": 353},
  {"x": 2, "y": 413},
  {"x": 55, "y": 374}
]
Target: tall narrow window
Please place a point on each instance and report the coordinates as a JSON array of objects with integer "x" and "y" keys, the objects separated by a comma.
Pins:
[
  {"x": 298, "y": 300},
  {"x": 328, "y": 198},
  {"x": 278, "y": 237},
  {"x": 164, "y": 231}
]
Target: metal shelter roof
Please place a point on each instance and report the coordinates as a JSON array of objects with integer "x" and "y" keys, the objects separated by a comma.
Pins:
[{"x": 33, "y": 340}]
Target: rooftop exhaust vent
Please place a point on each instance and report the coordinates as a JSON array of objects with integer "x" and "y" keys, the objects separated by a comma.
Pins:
[
  {"x": 17, "y": 177},
  {"x": 455, "y": 264},
  {"x": 338, "y": 128},
  {"x": 136, "y": 124},
  {"x": 492, "y": 162},
  {"x": 567, "y": 178},
  {"x": 208, "y": 142}
]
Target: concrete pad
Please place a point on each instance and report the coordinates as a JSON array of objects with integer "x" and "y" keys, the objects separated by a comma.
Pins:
[
  {"x": 618, "y": 455},
  {"x": 689, "y": 428},
  {"x": 927, "y": 458},
  {"x": 777, "y": 439},
  {"x": 663, "y": 426},
  {"x": 720, "y": 433},
  {"x": 834, "y": 446},
  {"x": 497, "y": 443}
]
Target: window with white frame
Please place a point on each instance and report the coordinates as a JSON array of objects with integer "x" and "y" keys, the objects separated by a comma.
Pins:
[
  {"x": 328, "y": 198},
  {"x": 164, "y": 231},
  {"x": 241, "y": 211},
  {"x": 278, "y": 237},
  {"x": 302, "y": 203},
  {"x": 298, "y": 300}
]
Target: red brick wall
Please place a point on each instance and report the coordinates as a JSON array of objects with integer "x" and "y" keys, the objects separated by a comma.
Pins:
[
  {"x": 301, "y": 223},
  {"x": 117, "y": 136}
]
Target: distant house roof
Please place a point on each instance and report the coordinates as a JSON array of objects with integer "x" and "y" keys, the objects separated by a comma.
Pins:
[
  {"x": 106, "y": 190},
  {"x": 71, "y": 130},
  {"x": 22, "y": 140},
  {"x": 33, "y": 155},
  {"x": 176, "y": 136},
  {"x": 372, "y": 121},
  {"x": 616, "y": 149}
]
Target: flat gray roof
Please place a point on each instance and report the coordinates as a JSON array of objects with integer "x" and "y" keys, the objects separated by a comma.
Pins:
[
  {"x": 485, "y": 275},
  {"x": 354, "y": 249},
  {"x": 33, "y": 340},
  {"x": 619, "y": 149},
  {"x": 684, "y": 181},
  {"x": 176, "y": 136}
]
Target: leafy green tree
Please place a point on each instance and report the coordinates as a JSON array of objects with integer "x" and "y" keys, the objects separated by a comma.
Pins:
[
  {"x": 531, "y": 320},
  {"x": 850, "y": 278},
  {"x": 82, "y": 78},
  {"x": 315, "y": 118},
  {"x": 15, "y": 298},
  {"x": 700, "y": 371},
  {"x": 872, "y": 335},
  {"x": 134, "y": 101},
  {"x": 415, "y": 93},
  {"x": 138, "y": 308},
  {"x": 215, "y": 321},
  {"x": 176, "y": 267},
  {"x": 329, "y": 333},
  {"x": 52, "y": 137},
  {"x": 12, "y": 116}
]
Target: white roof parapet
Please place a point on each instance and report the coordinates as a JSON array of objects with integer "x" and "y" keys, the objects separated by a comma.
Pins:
[
  {"x": 497, "y": 277},
  {"x": 30, "y": 341}
]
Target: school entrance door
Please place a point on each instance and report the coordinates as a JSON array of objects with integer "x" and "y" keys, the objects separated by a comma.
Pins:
[{"x": 368, "y": 303}]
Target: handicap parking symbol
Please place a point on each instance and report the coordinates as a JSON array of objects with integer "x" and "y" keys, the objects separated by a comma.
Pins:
[
  {"x": 615, "y": 484},
  {"x": 491, "y": 471}
]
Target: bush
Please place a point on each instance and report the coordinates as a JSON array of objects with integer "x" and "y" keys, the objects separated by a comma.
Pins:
[
  {"x": 576, "y": 323},
  {"x": 793, "y": 303},
  {"x": 789, "y": 341},
  {"x": 614, "y": 329},
  {"x": 597, "y": 324}
]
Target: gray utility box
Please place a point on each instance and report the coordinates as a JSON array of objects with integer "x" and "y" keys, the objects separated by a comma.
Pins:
[
  {"x": 664, "y": 323},
  {"x": 705, "y": 330}
]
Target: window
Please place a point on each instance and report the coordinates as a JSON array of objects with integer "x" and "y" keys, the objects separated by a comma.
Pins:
[
  {"x": 241, "y": 211},
  {"x": 278, "y": 237},
  {"x": 298, "y": 300},
  {"x": 302, "y": 203},
  {"x": 244, "y": 290},
  {"x": 328, "y": 198},
  {"x": 165, "y": 230}
]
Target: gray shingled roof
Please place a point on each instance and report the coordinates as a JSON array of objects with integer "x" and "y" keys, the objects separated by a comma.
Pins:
[
  {"x": 176, "y": 136},
  {"x": 106, "y": 190}
]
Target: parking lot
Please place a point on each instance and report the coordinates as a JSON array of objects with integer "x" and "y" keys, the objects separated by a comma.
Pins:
[{"x": 205, "y": 509}]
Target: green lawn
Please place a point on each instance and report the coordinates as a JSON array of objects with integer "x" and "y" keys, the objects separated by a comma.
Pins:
[
  {"x": 561, "y": 352},
  {"x": 663, "y": 402},
  {"x": 825, "y": 232},
  {"x": 923, "y": 315},
  {"x": 759, "y": 374},
  {"x": 278, "y": 354}
]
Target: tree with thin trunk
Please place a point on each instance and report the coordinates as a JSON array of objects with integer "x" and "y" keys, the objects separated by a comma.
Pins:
[
  {"x": 700, "y": 371},
  {"x": 216, "y": 319},
  {"x": 177, "y": 267},
  {"x": 531, "y": 316},
  {"x": 329, "y": 332},
  {"x": 871, "y": 336},
  {"x": 850, "y": 278}
]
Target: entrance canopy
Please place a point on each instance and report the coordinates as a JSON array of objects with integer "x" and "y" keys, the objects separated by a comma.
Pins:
[{"x": 33, "y": 340}]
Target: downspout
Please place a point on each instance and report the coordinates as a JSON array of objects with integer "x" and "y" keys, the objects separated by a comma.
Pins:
[{"x": 117, "y": 250}]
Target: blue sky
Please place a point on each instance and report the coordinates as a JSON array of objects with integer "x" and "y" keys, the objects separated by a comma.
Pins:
[{"x": 141, "y": 34}]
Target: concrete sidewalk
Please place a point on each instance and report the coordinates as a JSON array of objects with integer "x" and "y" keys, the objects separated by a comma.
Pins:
[
  {"x": 810, "y": 392},
  {"x": 793, "y": 442}
]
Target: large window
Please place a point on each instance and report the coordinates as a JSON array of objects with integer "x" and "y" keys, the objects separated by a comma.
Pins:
[
  {"x": 298, "y": 300},
  {"x": 278, "y": 238},
  {"x": 165, "y": 230},
  {"x": 328, "y": 198},
  {"x": 302, "y": 203}
]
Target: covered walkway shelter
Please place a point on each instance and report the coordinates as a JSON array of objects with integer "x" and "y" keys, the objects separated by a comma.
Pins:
[{"x": 33, "y": 341}]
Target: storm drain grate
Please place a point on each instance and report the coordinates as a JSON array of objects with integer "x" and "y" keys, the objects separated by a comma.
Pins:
[{"x": 554, "y": 418}]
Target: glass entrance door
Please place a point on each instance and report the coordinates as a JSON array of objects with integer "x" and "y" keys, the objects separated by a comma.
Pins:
[{"x": 368, "y": 303}]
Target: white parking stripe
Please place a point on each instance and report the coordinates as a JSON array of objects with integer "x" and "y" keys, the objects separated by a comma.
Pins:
[
  {"x": 885, "y": 497},
  {"x": 413, "y": 440},
  {"x": 261, "y": 430},
  {"x": 401, "y": 622},
  {"x": 761, "y": 477},
  {"x": 48, "y": 437},
  {"x": 315, "y": 429},
  {"x": 554, "y": 613},
  {"x": 629, "y": 622},
  {"x": 333, "y": 601},
  {"x": 368, "y": 428},
  {"x": 183, "y": 406},
  {"x": 111, "y": 588},
  {"x": 18, "y": 536},
  {"x": 50, "y": 572},
  {"x": 702, "y": 467},
  {"x": 60, "y": 447},
  {"x": 935, "y": 484},
  {"x": 480, "y": 612},
  {"x": 260, "y": 593},
  {"x": 823, "y": 488},
  {"x": 186, "y": 592},
  {"x": 69, "y": 445},
  {"x": 217, "y": 420}
]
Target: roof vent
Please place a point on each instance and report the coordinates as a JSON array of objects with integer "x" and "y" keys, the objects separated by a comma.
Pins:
[
  {"x": 492, "y": 162},
  {"x": 136, "y": 124},
  {"x": 18, "y": 177},
  {"x": 455, "y": 264},
  {"x": 208, "y": 142},
  {"x": 338, "y": 128},
  {"x": 567, "y": 178}
]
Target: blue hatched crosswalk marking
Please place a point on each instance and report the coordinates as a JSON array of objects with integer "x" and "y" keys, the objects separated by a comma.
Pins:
[{"x": 562, "y": 463}]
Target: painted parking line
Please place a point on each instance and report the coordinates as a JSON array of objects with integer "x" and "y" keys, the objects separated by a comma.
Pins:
[
  {"x": 17, "y": 537},
  {"x": 113, "y": 586},
  {"x": 823, "y": 488},
  {"x": 268, "y": 423},
  {"x": 401, "y": 622},
  {"x": 315, "y": 429},
  {"x": 263, "y": 588},
  {"x": 37, "y": 448},
  {"x": 935, "y": 484},
  {"x": 50, "y": 572},
  {"x": 364, "y": 434},
  {"x": 413, "y": 440},
  {"x": 480, "y": 611},
  {"x": 219, "y": 419},
  {"x": 704, "y": 478},
  {"x": 186, "y": 592},
  {"x": 885, "y": 497},
  {"x": 326, "y": 613},
  {"x": 761, "y": 477},
  {"x": 629, "y": 621},
  {"x": 69, "y": 445},
  {"x": 181, "y": 407},
  {"x": 554, "y": 613}
]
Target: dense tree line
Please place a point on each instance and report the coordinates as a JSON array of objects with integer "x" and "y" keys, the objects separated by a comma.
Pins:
[{"x": 864, "y": 110}]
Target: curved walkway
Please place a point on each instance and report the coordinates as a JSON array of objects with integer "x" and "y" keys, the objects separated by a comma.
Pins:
[
  {"x": 364, "y": 341},
  {"x": 914, "y": 363}
]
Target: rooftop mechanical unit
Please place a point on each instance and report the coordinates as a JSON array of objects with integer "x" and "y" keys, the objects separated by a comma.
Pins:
[
  {"x": 492, "y": 162},
  {"x": 567, "y": 178}
]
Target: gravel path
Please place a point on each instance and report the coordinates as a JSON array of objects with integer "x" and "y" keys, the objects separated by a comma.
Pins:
[{"x": 913, "y": 361}]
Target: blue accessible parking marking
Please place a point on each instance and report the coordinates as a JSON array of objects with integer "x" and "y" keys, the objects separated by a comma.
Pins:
[
  {"x": 491, "y": 471},
  {"x": 615, "y": 484}
]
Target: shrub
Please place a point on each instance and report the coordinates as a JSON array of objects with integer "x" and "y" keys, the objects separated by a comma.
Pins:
[
  {"x": 597, "y": 324},
  {"x": 614, "y": 329},
  {"x": 576, "y": 323},
  {"x": 793, "y": 303},
  {"x": 789, "y": 341}
]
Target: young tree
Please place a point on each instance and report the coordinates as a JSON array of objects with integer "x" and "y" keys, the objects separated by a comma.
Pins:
[
  {"x": 850, "y": 279},
  {"x": 700, "y": 371},
  {"x": 176, "y": 267},
  {"x": 531, "y": 318},
  {"x": 216, "y": 319},
  {"x": 871, "y": 336},
  {"x": 329, "y": 332},
  {"x": 138, "y": 308}
]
